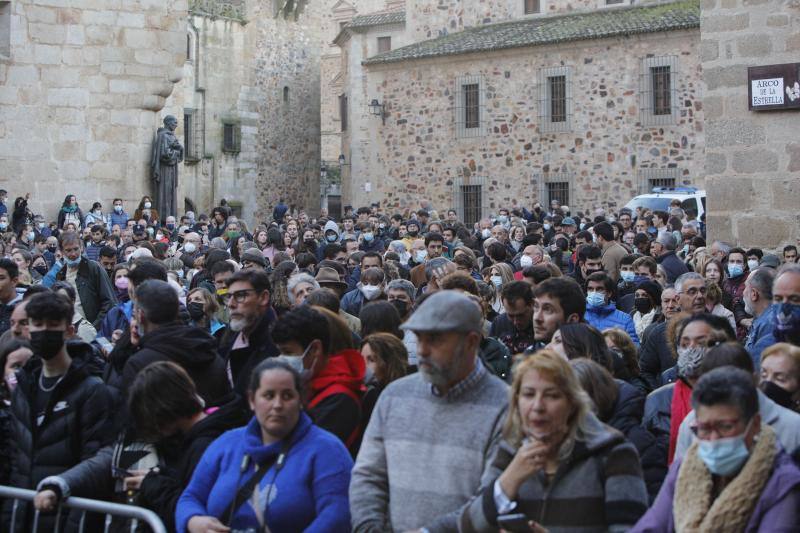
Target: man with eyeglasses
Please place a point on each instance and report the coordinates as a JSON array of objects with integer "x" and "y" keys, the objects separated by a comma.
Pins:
[{"x": 247, "y": 341}]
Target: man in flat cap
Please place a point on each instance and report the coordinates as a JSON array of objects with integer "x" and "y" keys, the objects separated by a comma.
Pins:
[{"x": 432, "y": 432}]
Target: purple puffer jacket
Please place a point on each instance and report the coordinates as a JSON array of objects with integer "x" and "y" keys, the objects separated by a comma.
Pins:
[{"x": 777, "y": 511}]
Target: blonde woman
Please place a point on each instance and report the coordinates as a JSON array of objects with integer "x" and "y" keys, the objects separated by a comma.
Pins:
[{"x": 558, "y": 467}]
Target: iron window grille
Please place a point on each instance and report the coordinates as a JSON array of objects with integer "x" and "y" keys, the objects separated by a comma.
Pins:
[
  {"x": 650, "y": 178},
  {"x": 469, "y": 199},
  {"x": 470, "y": 107},
  {"x": 343, "y": 111},
  {"x": 384, "y": 44},
  {"x": 231, "y": 137},
  {"x": 659, "y": 98},
  {"x": 532, "y": 7},
  {"x": 554, "y": 186},
  {"x": 555, "y": 99},
  {"x": 193, "y": 135}
]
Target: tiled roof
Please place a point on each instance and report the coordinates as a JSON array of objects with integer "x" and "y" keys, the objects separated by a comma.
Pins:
[
  {"x": 377, "y": 19},
  {"x": 611, "y": 22}
]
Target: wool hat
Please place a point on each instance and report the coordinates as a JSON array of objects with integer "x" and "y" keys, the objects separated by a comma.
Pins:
[
  {"x": 446, "y": 311},
  {"x": 254, "y": 255}
]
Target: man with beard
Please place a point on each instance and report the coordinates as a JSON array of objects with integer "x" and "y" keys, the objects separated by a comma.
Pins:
[
  {"x": 247, "y": 341},
  {"x": 432, "y": 432}
]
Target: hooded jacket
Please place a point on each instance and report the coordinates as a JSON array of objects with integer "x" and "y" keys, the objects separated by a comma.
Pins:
[
  {"x": 194, "y": 349},
  {"x": 76, "y": 423},
  {"x": 598, "y": 487},
  {"x": 335, "y": 396},
  {"x": 329, "y": 226},
  {"x": 608, "y": 316},
  {"x": 308, "y": 493}
]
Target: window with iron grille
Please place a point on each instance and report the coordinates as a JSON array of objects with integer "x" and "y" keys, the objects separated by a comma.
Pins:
[
  {"x": 555, "y": 99},
  {"x": 469, "y": 199},
  {"x": 188, "y": 47},
  {"x": 193, "y": 135},
  {"x": 231, "y": 137},
  {"x": 286, "y": 95},
  {"x": 470, "y": 107},
  {"x": 659, "y": 99},
  {"x": 554, "y": 186},
  {"x": 649, "y": 178},
  {"x": 343, "y": 111},
  {"x": 558, "y": 190},
  {"x": 532, "y": 6},
  {"x": 384, "y": 44}
]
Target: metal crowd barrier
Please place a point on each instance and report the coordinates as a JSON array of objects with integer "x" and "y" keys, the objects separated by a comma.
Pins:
[{"x": 136, "y": 514}]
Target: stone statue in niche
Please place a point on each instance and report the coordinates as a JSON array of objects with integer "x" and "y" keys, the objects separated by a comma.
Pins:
[{"x": 167, "y": 153}]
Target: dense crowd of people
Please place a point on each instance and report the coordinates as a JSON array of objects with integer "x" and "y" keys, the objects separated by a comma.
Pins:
[{"x": 536, "y": 370}]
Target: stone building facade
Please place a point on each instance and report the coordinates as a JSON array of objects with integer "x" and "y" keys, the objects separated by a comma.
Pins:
[
  {"x": 752, "y": 158},
  {"x": 84, "y": 86},
  {"x": 469, "y": 115}
]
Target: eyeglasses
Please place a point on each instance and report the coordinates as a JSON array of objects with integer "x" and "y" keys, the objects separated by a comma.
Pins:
[
  {"x": 694, "y": 290},
  {"x": 239, "y": 296},
  {"x": 722, "y": 428}
]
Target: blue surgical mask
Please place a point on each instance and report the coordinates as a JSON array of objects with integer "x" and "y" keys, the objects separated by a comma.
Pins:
[
  {"x": 502, "y": 219},
  {"x": 368, "y": 236},
  {"x": 31, "y": 236},
  {"x": 735, "y": 270},
  {"x": 420, "y": 256},
  {"x": 724, "y": 457},
  {"x": 628, "y": 276},
  {"x": 118, "y": 208},
  {"x": 547, "y": 227},
  {"x": 497, "y": 281},
  {"x": 595, "y": 299},
  {"x": 582, "y": 226},
  {"x": 331, "y": 237},
  {"x": 71, "y": 263}
]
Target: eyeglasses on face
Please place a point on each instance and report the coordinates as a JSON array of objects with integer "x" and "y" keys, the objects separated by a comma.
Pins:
[{"x": 238, "y": 296}]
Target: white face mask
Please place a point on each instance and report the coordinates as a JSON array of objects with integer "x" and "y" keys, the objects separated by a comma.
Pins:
[
  {"x": 370, "y": 292},
  {"x": 752, "y": 264},
  {"x": 189, "y": 248},
  {"x": 486, "y": 233},
  {"x": 525, "y": 261},
  {"x": 147, "y": 205}
]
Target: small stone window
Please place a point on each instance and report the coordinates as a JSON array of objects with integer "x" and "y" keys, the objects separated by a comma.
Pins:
[
  {"x": 659, "y": 99},
  {"x": 555, "y": 186},
  {"x": 5, "y": 29},
  {"x": 650, "y": 178},
  {"x": 285, "y": 94},
  {"x": 231, "y": 137},
  {"x": 343, "y": 111},
  {"x": 193, "y": 135},
  {"x": 532, "y": 6},
  {"x": 555, "y": 99},
  {"x": 189, "y": 47},
  {"x": 384, "y": 44},
  {"x": 470, "y": 107},
  {"x": 469, "y": 198}
]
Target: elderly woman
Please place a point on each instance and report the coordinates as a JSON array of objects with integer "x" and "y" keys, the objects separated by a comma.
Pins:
[
  {"x": 299, "y": 473},
  {"x": 780, "y": 375},
  {"x": 558, "y": 467},
  {"x": 736, "y": 476}
]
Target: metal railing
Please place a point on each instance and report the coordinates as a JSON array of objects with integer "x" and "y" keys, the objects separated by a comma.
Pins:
[{"x": 136, "y": 514}]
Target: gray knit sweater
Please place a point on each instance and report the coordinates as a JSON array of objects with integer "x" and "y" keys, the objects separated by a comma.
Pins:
[{"x": 423, "y": 456}]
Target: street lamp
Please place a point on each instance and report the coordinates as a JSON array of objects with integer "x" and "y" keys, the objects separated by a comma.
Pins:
[{"x": 378, "y": 109}]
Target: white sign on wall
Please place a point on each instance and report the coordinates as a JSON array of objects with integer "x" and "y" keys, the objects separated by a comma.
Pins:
[{"x": 767, "y": 92}]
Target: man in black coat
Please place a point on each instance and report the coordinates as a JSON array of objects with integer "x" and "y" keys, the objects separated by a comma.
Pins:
[
  {"x": 59, "y": 409},
  {"x": 664, "y": 252},
  {"x": 161, "y": 337}
]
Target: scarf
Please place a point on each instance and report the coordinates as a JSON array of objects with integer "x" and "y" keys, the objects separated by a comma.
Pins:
[
  {"x": 692, "y": 507},
  {"x": 69, "y": 208},
  {"x": 680, "y": 407}
]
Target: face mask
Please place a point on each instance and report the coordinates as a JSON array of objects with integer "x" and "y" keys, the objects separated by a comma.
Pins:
[
  {"x": 46, "y": 344},
  {"x": 150, "y": 231},
  {"x": 643, "y": 305},
  {"x": 496, "y": 280},
  {"x": 147, "y": 205},
  {"x": 296, "y": 362},
  {"x": 382, "y": 226},
  {"x": 420, "y": 256},
  {"x": 582, "y": 226},
  {"x": 159, "y": 236},
  {"x": 41, "y": 269},
  {"x": 546, "y": 227},
  {"x": 525, "y": 261},
  {"x": 52, "y": 249},
  {"x": 369, "y": 236},
  {"x": 98, "y": 212},
  {"x": 196, "y": 310},
  {"x": 689, "y": 360},
  {"x": 685, "y": 249},
  {"x": 72, "y": 263},
  {"x": 369, "y": 375},
  {"x": 310, "y": 242},
  {"x": 233, "y": 235},
  {"x": 401, "y": 306},
  {"x": 752, "y": 264},
  {"x": 735, "y": 270},
  {"x": 787, "y": 324},
  {"x": 40, "y": 225},
  {"x": 118, "y": 208},
  {"x": 595, "y": 299},
  {"x": 777, "y": 394},
  {"x": 370, "y": 292},
  {"x": 413, "y": 233},
  {"x": 11, "y": 381},
  {"x": 189, "y": 248},
  {"x": 502, "y": 219},
  {"x": 330, "y": 238},
  {"x": 724, "y": 457},
  {"x": 486, "y": 233},
  {"x": 170, "y": 227},
  {"x": 122, "y": 283},
  {"x": 627, "y": 276},
  {"x": 3, "y": 226}
]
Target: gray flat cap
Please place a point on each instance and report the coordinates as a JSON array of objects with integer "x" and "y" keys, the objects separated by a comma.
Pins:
[{"x": 446, "y": 311}]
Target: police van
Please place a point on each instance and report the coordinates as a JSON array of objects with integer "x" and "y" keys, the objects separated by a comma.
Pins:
[{"x": 660, "y": 198}]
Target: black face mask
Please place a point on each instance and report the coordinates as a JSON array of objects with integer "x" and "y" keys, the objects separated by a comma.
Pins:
[
  {"x": 46, "y": 344},
  {"x": 777, "y": 394},
  {"x": 643, "y": 305},
  {"x": 401, "y": 306},
  {"x": 413, "y": 233},
  {"x": 52, "y": 249},
  {"x": 196, "y": 310},
  {"x": 41, "y": 269}
]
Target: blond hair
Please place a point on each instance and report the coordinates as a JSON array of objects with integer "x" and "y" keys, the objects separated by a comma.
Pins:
[{"x": 784, "y": 348}]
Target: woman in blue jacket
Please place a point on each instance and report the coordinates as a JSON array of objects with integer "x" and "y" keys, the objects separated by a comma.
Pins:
[{"x": 303, "y": 472}]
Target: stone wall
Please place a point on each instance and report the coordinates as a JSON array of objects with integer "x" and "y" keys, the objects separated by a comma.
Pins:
[
  {"x": 752, "y": 158},
  {"x": 417, "y": 155},
  {"x": 80, "y": 92}
]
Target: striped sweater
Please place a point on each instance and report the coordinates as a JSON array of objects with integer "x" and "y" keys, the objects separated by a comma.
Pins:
[
  {"x": 423, "y": 455},
  {"x": 599, "y": 487}
]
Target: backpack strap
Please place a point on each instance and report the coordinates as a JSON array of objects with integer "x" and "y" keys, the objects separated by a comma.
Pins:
[{"x": 338, "y": 388}]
